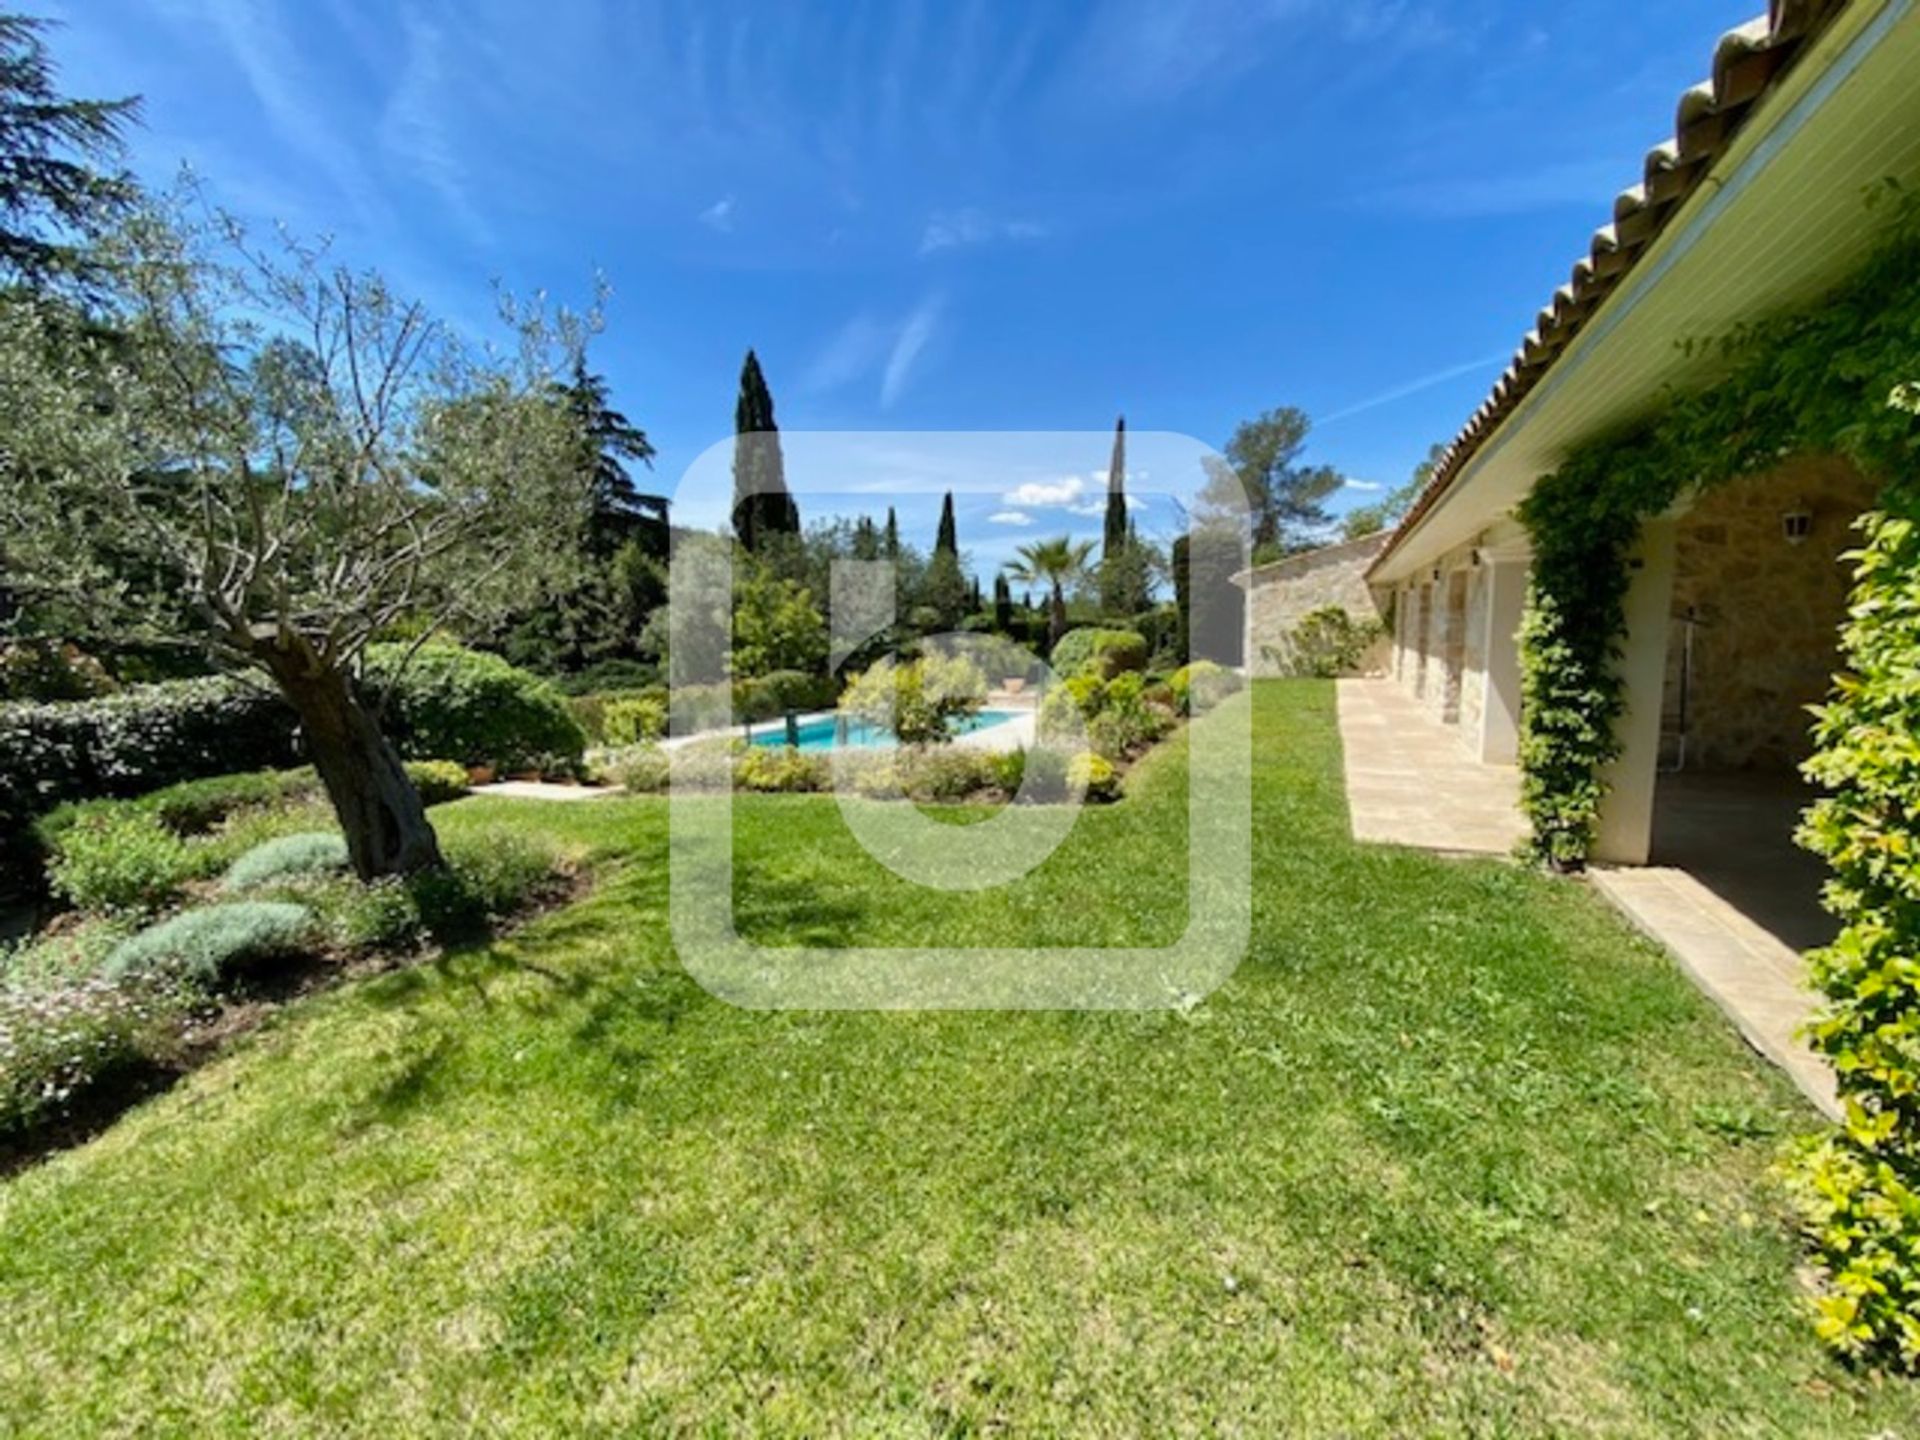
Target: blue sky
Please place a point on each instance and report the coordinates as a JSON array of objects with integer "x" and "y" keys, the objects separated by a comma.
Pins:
[{"x": 955, "y": 215}]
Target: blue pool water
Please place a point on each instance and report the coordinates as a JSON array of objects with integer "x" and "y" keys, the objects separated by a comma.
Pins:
[{"x": 819, "y": 734}]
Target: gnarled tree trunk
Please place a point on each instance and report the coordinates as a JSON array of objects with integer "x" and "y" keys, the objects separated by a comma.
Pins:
[{"x": 380, "y": 811}]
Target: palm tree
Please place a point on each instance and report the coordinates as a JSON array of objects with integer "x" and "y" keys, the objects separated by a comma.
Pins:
[{"x": 1055, "y": 563}]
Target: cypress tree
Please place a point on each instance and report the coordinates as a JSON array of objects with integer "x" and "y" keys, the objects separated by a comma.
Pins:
[
  {"x": 1002, "y": 604},
  {"x": 1116, "y": 527},
  {"x": 947, "y": 540},
  {"x": 761, "y": 504},
  {"x": 893, "y": 535}
]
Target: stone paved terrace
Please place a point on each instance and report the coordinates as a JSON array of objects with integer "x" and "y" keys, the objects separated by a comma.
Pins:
[{"x": 1411, "y": 782}]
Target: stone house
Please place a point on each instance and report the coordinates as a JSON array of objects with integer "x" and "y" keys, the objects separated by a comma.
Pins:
[{"x": 1759, "y": 205}]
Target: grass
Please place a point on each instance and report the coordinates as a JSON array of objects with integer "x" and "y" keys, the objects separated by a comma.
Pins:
[{"x": 1452, "y": 1152}]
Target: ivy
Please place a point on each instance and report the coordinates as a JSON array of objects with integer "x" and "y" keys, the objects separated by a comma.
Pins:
[{"x": 1842, "y": 378}]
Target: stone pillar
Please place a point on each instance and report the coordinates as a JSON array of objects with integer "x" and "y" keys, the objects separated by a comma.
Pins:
[
  {"x": 1506, "y": 602},
  {"x": 1625, "y": 834}
]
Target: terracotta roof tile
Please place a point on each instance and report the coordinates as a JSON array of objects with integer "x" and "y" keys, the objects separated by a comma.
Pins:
[{"x": 1747, "y": 63}]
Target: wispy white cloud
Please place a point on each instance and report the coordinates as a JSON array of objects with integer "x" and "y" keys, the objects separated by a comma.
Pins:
[
  {"x": 1046, "y": 494},
  {"x": 1010, "y": 517},
  {"x": 855, "y": 349},
  {"x": 274, "y": 74},
  {"x": 907, "y": 347},
  {"x": 1409, "y": 387},
  {"x": 719, "y": 215},
  {"x": 1367, "y": 485},
  {"x": 413, "y": 128},
  {"x": 959, "y": 229}
]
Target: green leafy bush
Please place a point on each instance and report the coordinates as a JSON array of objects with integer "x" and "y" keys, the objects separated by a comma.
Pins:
[
  {"x": 781, "y": 768},
  {"x": 124, "y": 861},
  {"x": 1069, "y": 705},
  {"x": 770, "y": 696},
  {"x": 476, "y": 709},
  {"x": 1200, "y": 686},
  {"x": 642, "y": 769},
  {"x": 1327, "y": 643},
  {"x": 194, "y": 807},
  {"x": 874, "y": 774},
  {"x": 628, "y": 719},
  {"x": 916, "y": 699},
  {"x": 203, "y": 945},
  {"x": 490, "y": 874},
  {"x": 128, "y": 744},
  {"x": 951, "y": 773},
  {"x": 57, "y": 1042},
  {"x": 1094, "y": 776},
  {"x": 1859, "y": 1190},
  {"x": 383, "y": 915},
  {"x": 58, "y": 957},
  {"x": 288, "y": 857},
  {"x": 438, "y": 781},
  {"x": 611, "y": 676},
  {"x": 1108, "y": 651}
]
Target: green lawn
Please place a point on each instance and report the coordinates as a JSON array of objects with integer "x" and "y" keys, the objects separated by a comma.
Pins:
[{"x": 1451, "y": 1153}]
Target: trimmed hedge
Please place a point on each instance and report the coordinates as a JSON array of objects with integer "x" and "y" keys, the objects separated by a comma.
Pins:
[
  {"x": 129, "y": 744},
  {"x": 451, "y": 703}
]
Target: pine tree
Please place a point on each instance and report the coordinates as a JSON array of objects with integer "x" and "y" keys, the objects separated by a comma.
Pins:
[
  {"x": 946, "y": 542},
  {"x": 619, "y": 513},
  {"x": 1116, "y": 527},
  {"x": 761, "y": 505},
  {"x": 52, "y": 200}
]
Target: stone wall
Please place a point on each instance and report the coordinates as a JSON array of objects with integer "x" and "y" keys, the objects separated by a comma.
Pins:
[
  {"x": 1763, "y": 613},
  {"x": 1281, "y": 595}
]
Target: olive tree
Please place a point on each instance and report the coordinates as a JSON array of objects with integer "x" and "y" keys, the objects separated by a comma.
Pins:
[{"x": 297, "y": 458}]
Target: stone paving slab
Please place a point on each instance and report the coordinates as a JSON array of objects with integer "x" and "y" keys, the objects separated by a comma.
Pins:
[
  {"x": 1410, "y": 780},
  {"x": 1743, "y": 969}
]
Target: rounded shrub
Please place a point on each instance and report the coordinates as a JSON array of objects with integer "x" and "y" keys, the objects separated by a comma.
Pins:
[
  {"x": 475, "y": 709},
  {"x": 285, "y": 858},
  {"x": 780, "y": 768},
  {"x": 1108, "y": 651},
  {"x": 641, "y": 769},
  {"x": 629, "y": 719},
  {"x": 1200, "y": 686},
  {"x": 203, "y": 945},
  {"x": 1095, "y": 776},
  {"x": 437, "y": 780}
]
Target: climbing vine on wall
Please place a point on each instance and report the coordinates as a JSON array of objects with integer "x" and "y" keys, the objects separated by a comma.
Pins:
[
  {"x": 1843, "y": 378},
  {"x": 1814, "y": 381}
]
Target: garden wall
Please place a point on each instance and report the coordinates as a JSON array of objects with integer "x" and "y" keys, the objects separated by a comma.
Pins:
[{"x": 1281, "y": 595}]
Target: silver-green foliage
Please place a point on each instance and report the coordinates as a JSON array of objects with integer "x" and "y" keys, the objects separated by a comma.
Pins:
[
  {"x": 286, "y": 857},
  {"x": 201, "y": 945}
]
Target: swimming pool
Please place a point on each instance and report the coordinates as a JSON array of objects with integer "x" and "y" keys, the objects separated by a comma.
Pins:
[{"x": 817, "y": 732}]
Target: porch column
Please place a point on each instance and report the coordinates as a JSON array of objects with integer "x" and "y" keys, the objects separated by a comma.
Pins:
[
  {"x": 1625, "y": 834},
  {"x": 1506, "y": 602}
]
